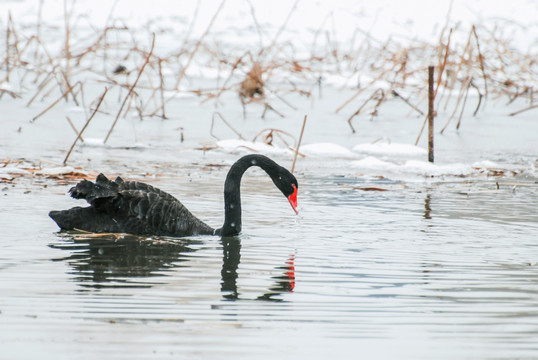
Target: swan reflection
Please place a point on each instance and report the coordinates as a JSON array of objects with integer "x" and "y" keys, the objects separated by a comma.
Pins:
[
  {"x": 117, "y": 260},
  {"x": 121, "y": 260},
  {"x": 282, "y": 283}
]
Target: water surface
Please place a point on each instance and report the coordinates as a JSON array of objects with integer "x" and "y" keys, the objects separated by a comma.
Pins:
[{"x": 432, "y": 269}]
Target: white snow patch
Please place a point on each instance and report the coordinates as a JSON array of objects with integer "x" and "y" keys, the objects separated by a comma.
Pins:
[
  {"x": 7, "y": 87},
  {"x": 411, "y": 167},
  {"x": 139, "y": 146},
  {"x": 74, "y": 109},
  {"x": 9, "y": 172},
  {"x": 180, "y": 95},
  {"x": 61, "y": 170},
  {"x": 327, "y": 149},
  {"x": 374, "y": 163},
  {"x": 236, "y": 146},
  {"x": 487, "y": 164},
  {"x": 429, "y": 169},
  {"x": 93, "y": 142},
  {"x": 393, "y": 149}
]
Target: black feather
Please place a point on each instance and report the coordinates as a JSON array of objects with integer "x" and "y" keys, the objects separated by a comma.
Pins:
[
  {"x": 130, "y": 207},
  {"x": 137, "y": 208}
]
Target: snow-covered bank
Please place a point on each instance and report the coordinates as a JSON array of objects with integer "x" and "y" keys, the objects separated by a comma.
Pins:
[{"x": 333, "y": 61}]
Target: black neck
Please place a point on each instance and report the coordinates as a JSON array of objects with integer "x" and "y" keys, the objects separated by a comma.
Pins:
[{"x": 232, "y": 193}]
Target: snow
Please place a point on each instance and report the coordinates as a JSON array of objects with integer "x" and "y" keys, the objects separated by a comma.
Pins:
[
  {"x": 386, "y": 149},
  {"x": 236, "y": 146},
  {"x": 93, "y": 142},
  {"x": 373, "y": 165},
  {"x": 381, "y": 18},
  {"x": 326, "y": 149},
  {"x": 311, "y": 25},
  {"x": 388, "y": 160},
  {"x": 8, "y": 172},
  {"x": 53, "y": 171},
  {"x": 314, "y": 28},
  {"x": 487, "y": 164},
  {"x": 426, "y": 168},
  {"x": 413, "y": 170}
]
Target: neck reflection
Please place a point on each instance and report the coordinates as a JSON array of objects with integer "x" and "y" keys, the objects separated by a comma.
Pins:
[{"x": 283, "y": 282}]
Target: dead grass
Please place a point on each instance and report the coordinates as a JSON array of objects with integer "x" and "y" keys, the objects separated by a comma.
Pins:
[{"x": 132, "y": 63}]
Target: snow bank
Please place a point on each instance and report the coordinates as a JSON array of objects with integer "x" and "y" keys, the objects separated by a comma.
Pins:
[
  {"x": 9, "y": 172},
  {"x": 55, "y": 171},
  {"x": 236, "y": 146},
  {"x": 411, "y": 167},
  {"x": 373, "y": 163},
  {"x": 386, "y": 149},
  {"x": 314, "y": 150},
  {"x": 426, "y": 168},
  {"x": 93, "y": 142},
  {"x": 326, "y": 149}
]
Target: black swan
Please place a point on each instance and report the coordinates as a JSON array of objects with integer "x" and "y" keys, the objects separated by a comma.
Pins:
[{"x": 136, "y": 208}]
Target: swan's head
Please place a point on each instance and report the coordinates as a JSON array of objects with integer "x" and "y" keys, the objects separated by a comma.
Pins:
[{"x": 287, "y": 183}]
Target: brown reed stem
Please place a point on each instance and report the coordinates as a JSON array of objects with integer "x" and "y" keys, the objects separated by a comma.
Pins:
[
  {"x": 193, "y": 52},
  {"x": 131, "y": 88},
  {"x": 267, "y": 106},
  {"x": 67, "y": 16},
  {"x": 256, "y": 23},
  {"x": 161, "y": 88},
  {"x": 79, "y": 136},
  {"x": 523, "y": 110},
  {"x": 8, "y": 35},
  {"x": 464, "y": 86},
  {"x": 298, "y": 145},
  {"x": 281, "y": 29},
  {"x": 467, "y": 49},
  {"x": 463, "y": 105},
  {"x": 481, "y": 58},
  {"x": 372, "y": 96},
  {"x": 215, "y": 114},
  {"x": 421, "y": 129},
  {"x": 447, "y": 49},
  {"x": 74, "y": 128},
  {"x": 54, "y": 103},
  {"x": 373, "y": 81},
  {"x": 277, "y": 132},
  {"x": 431, "y": 98},
  {"x": 407, "y": 102}
]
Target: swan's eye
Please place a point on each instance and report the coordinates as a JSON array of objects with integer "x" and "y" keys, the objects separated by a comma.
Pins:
[{"x": 280, "y": 178}]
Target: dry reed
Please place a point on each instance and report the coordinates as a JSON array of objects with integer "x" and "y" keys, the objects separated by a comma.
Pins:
[{"x": 484, "y": 63}]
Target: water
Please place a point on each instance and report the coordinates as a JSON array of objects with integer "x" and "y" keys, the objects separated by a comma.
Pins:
[
  {"x": 424, "y": 270},
  {"x": 440, "y": 266},
  {"x": 387, "y": 259}
]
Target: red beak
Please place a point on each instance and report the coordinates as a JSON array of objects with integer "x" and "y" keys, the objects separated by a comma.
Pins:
[{"x": 293, "y": 200}]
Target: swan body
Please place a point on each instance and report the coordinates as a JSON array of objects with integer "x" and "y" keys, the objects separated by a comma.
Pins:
[{"x": 118, "y": 206}]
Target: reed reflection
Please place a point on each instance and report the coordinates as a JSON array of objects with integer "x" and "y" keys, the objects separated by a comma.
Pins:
[{"x": 427, "y": 207}]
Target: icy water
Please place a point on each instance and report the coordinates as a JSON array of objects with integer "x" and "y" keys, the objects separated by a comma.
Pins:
[
  {"x": 390, "y": 257},
  {"x": 429, "y": 269}
]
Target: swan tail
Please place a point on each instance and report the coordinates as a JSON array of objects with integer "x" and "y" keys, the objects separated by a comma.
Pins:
[
  {"x": 102, "y": 188},
  {"x": 83, "y": 218}
]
